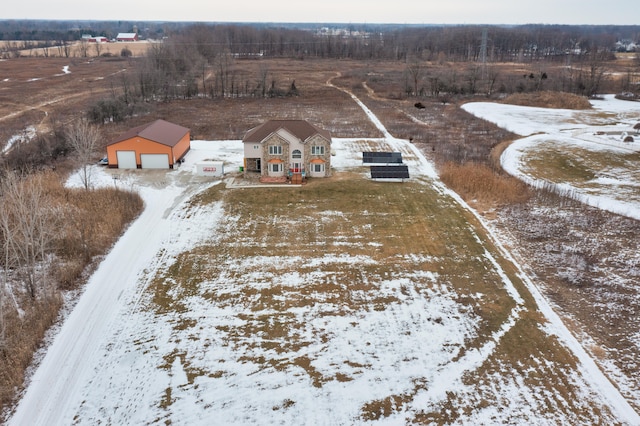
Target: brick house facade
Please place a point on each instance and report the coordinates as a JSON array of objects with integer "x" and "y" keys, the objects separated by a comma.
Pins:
[{"x": 288, "y": 148}]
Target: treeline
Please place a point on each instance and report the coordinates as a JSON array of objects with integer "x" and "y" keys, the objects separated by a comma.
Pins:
[
  {"x": 509, "y": 44},
  {"x": 358, "y": 41},
  {"x": 37, "y": 30},
  {"x": 450, "y": 43},
  {"x": 201, "y": 60}
]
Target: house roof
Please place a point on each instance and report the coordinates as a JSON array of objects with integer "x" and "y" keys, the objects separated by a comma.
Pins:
[
  {"x": 126, "y": 35},
  {"x": 301, "y": 129},
  {"x": 160, "y": 131}
]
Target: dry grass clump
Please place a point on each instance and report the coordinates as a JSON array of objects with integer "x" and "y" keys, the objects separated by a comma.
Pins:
[
  {"x": 479, "y": 183},
  {"x": 94, "y": 220},
  {"x": 23, "y": 337},
  {"x": 547, "y": 99}
]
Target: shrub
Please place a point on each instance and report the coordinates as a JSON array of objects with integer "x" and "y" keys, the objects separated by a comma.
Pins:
[
  {"x": 108, "y": 110},
  {"x": 549, "y": 100},
  {"x": 480, "y": 183}
]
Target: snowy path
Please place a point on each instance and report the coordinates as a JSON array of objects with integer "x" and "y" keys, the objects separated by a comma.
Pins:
[{"x": 55, "y": 386}]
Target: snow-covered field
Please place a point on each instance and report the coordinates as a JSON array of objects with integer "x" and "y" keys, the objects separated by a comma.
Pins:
[
  {"x": 599, "y": 130},
  {"x": 119, "y": 360}
]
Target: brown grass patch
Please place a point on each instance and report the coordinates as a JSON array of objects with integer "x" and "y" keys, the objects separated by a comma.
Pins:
[
  {"x": 24, "y": 336},
  {"x": 375, "y": 410},
  {"x": 78, "y": 49},
  {"x": 560, "y": 100},
  {"x": 479, "y": 184},
  {"x": 599, "y": 352}
]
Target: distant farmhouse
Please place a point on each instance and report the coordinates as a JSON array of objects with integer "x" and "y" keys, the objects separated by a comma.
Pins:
[
  {"x": 292, "y": 149},
  {"x": 94, "y": 39},
  {"x": 127, "y": 37}
]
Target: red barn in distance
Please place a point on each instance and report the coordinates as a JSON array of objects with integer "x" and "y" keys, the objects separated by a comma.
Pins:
[{"x": 127, "y": 37}]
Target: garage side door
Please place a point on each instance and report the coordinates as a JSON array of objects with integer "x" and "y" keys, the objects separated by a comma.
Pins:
[
  {"x": 154, "y": 161},
  {"x": 126, "y": 159}
]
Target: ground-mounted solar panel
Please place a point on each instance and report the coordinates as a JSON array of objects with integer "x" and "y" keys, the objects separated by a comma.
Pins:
[
  {"x": 382, "y": 157},
  {"x": 390, "y": 172}
]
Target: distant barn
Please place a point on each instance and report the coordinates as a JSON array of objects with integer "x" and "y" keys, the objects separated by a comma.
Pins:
[{"x": 127, "y": 37}]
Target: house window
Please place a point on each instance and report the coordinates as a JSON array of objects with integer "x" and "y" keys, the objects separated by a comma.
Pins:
[
  {"x": 296, "y": 154},
  {"x": 276, "y": 167},
  {"x": 318, "y": 168},
  {"x": 275, "y": 150},
  {"x": 317, "y": 150}
]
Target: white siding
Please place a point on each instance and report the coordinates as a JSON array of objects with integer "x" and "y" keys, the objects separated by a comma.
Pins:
[
  {"x": 126, "y": 159},
  {"x": 154, "y": 161},
  {"x": 252, "y": 150}
]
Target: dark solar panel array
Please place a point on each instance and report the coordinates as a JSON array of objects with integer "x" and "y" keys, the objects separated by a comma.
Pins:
[
  {"x": 390, "y": 172},
  {"x": 382, "y": 157}
]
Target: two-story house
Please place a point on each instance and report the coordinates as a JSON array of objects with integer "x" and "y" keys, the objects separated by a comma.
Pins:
[{"x": 288, "y": 148}]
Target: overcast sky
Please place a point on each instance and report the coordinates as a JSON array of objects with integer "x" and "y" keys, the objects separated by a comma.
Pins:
[{"x": 596, "y": 12}]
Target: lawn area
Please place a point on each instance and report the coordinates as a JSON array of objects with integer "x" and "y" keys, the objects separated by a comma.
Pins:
[{"x": 348, "y": 300}]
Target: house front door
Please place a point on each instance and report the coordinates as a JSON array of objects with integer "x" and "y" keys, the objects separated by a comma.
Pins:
[{"x": 297, "y": 167}]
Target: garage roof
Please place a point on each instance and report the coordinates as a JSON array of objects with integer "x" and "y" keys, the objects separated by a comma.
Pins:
[
  {"x": 160, "y": 131},
  {"x": 301, "y": 129}
]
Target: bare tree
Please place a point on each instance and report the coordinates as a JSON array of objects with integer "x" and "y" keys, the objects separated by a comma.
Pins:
[
  {"x": 98, "y": 48},
  {"x": 473, "y": 75},
  {"x": 596, "y": 74},
  {"x": 64, "y": 49},
  {"x": 83, "y": 138},
  {"x": 6, "y": 262},
  {"x": 415, "y": 72},
  {"x": 3, "y": 328},
  {"x": 28, "y": 224},
  {"x": 263, "y": 73},
  {"x": 591, "y": 78},
  {"x": 83, "y": 48},
  {"x": 224, "y": 64},
  {"x": 492, "y": 76}
]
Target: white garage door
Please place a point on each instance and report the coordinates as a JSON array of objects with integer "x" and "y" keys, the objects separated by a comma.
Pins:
[
  {"x": 126, "y": 159},
  {"x": 154, "y": 161}
]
